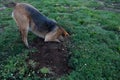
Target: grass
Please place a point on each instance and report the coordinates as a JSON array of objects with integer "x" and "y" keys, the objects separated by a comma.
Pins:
[{"x": 94, "y": 41}]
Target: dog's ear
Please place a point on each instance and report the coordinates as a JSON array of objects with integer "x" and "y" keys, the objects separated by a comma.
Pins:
[
  {"x": 64, "y": 32},
  {"x": 67, "y": 34}
]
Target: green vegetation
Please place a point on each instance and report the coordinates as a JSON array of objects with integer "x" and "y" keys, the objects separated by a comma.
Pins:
[
  {"x": 94, "y": 40},
  {"x": 45, "y": 70}
]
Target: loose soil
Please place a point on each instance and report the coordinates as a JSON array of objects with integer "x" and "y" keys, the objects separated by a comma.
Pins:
[
  {"x": 52, "y": 56},
  {"x": 113, "y": 6}
]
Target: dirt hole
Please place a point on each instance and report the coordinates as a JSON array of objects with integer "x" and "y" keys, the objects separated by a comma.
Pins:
[{"x": 51, "y": 59}]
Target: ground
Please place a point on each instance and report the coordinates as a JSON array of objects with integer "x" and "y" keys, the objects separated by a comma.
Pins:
[
  {"x": 92, "y": 51},
  {"x": 109, "y": 5},
  {"x": 52, "y": 55}
]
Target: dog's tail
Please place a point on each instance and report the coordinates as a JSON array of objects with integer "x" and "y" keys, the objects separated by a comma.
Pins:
[
  {"x": 64, "y": 32},
  {"x": 10, "y": 4}
]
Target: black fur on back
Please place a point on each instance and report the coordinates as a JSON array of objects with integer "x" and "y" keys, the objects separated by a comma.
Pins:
[{"x": 42, "y": 23}]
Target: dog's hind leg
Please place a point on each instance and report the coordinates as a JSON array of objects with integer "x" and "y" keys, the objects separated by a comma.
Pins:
[
  {"x": 23, "y": 24},
  {"x": 24, "y": 33}
]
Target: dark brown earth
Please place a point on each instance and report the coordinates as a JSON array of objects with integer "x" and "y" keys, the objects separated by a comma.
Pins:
[
  {"x": 107, "y": 5},
  {"x": 50, "y": 55}
]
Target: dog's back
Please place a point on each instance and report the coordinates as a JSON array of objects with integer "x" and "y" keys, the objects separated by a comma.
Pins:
[{"x": 42, "y": 23}]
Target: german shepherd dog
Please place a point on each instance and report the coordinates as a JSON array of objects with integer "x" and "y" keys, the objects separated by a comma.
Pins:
[{"x": 28, "y": 18}]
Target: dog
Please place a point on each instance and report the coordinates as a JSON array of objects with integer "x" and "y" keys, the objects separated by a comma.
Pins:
[{"x": 28, "y": 18}]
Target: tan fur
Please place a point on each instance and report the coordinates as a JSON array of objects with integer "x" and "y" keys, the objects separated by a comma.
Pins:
[{"x": 23, "y": 21}]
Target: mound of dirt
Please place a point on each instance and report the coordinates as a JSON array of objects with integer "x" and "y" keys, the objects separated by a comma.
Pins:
[{"x": 51, "y": 59}]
